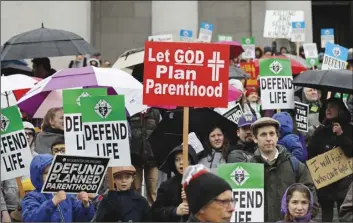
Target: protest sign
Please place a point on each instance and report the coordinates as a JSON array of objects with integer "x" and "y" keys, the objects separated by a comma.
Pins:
[
  {"x": 186, "y": 74},
  {"x": 278, "y": 24},
  {"x": 311, "y": 55},
  {"x": 185, "y": 35},
  {"x": 205, "y": 34},
  {"x": 249, "y": 67},
  {"x": 327, "y": 36},
  {"x": 277, "y": 90},
  {"x": 248, "y": 44},
  {"x": 16, "y": 155},
  {"x": 161, "y": 38},
  {"x": 74, "y": 174},
  {"x": 329, "y": 167},
  {"x": 74, "y": 139},
  {"x": 298, "y": 31},
  {"x": 233, "y": 113},
  {"x": 247, "y": 182},
  {"x": 301, "y": 112},
  {"x": 335, "y": 57},
  {"x": 224, "y": 38},
  {"x": 106, "y": 129}
]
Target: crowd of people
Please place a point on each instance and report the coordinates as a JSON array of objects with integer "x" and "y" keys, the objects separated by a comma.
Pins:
[{"x": 196, "y": 194}]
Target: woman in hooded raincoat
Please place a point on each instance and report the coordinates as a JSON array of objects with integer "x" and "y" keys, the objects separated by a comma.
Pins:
[
  {"x": 335, "y": 131},
  {"x": 169, "y": 206},
  {"x": 298, "y": 204}
]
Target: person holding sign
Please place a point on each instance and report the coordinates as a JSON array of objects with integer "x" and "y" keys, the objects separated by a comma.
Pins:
[
  {"x": 61, "y": 207},
  {"x": 169, "y": 205},
  {"x": 335, "y": 131},
  {"x": 58, "y": 147},
  {"x": 282, "y": 169},
  {"x": 123, "y": 204},
  {"x": 298, "y": 204},
  {"x": 52, "y": 129}
]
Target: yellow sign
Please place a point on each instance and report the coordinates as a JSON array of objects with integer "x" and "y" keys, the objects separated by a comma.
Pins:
[{"x": 329, "y": 167}]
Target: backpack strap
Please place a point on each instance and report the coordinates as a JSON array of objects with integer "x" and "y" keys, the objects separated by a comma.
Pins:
[{"x": 295, "y": 166}]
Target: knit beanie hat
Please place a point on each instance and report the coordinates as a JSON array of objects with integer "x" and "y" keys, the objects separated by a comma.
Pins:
[{"x": 201, "y": 186}]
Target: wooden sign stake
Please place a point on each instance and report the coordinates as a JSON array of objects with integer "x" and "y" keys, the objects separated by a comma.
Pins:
[
  {"x": 20, "y": 186},
  {"x": 185, "y": 140},
  {"x": 110, "y": 179}
]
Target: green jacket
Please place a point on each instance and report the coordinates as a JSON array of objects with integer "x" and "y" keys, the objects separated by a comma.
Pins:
[{"x": 278, "y": 178}]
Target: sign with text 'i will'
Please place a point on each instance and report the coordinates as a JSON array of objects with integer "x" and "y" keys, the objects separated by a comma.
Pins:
[
  {"x": 74, "y": 174},
  {"x": 247, "y": 182},
  {"x": 186, "y": 74},
  {"x": 106, "y": 129},
  {"x": 16, "y": 155},
  {"x": 335, "y": 57},
  {"x": 74, "y": 138},
  {"x": 277, "y": 90}
]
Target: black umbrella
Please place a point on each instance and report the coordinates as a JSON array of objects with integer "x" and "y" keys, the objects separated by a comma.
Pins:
[
  {"x": 237, "y": 73},
  {"x": 168, "y": 134},
  {"x": 327, "y": 80},
  {"x": 45, "y": 42}
]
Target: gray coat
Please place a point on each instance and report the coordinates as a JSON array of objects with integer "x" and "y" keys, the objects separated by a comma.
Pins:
[
  {"x": 10, "y": 196},
  {"x": 44, "y": 141},
  {"x": 213, "y": 161}
]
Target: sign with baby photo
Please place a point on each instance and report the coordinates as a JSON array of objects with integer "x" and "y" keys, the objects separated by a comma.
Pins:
[
  {"x": 106, "y": 129},
  {"x": 247, "y": 182},
  {"x": 16, "y": 155},
  {"x": 74, "y": 140},
  {"x": 74, "y": 174},
  {"x": 301, "y": 112}
]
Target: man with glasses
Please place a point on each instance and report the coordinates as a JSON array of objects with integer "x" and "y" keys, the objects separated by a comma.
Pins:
[{"x": 209, "y": 197}]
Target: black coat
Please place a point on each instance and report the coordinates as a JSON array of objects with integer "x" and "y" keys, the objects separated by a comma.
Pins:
[
  {"x": 323, "y": 140},
  {"x": 123, "y": 206},
  {"x": 168, "y": 199}
]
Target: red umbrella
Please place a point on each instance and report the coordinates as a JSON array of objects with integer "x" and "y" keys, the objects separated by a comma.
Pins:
[
  {"x": 235, "y": 48},
  {"x": 297, "y": 67}
]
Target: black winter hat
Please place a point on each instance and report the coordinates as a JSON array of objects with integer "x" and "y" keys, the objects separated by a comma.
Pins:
[{"x": 201, "y": 186}]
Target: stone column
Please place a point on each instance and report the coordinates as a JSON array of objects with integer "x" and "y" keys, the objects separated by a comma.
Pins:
[{"x": 168, "y": 17}]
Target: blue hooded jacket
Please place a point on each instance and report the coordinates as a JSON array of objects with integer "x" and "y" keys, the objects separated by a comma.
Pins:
[
  {"x": 289, "y": 140},
  {"x": 39, "y": 207}
]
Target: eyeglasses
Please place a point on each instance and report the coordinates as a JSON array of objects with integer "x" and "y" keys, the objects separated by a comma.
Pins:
[
  {"x": 29, "y": 134},
  {"x": 225, "y": 203}
]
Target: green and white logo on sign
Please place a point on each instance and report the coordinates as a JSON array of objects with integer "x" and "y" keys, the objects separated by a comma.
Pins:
[
  {"x": 103, "y": 109},
  {"x": 83, "y": 95},
  {"x": 276, "y": 67},
  {"x": 239, "y": 175},
  {"x": 5, "y": 122}
]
